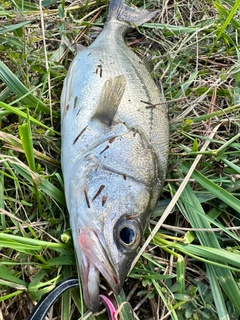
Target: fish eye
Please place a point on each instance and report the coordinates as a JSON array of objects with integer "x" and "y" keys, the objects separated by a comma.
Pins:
[{"x": 129, "y": 234}]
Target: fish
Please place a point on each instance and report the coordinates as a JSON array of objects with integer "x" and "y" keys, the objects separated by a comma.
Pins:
[{"x": 114, "y": 154}]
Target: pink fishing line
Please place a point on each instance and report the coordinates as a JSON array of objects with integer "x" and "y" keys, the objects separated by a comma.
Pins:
[{"x": 110, "y": 307}]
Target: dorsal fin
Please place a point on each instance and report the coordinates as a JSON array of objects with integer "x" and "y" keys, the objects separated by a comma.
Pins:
[{"x": 110, "y": 99}]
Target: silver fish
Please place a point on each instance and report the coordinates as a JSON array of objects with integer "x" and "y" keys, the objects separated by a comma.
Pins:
[{"x": 115, "y": 141}]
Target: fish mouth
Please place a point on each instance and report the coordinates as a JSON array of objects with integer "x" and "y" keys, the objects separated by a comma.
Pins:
[{"x": 93, "y": 260}]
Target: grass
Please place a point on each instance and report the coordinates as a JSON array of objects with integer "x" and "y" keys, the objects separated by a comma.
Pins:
[{"x": 188, "y": 267}]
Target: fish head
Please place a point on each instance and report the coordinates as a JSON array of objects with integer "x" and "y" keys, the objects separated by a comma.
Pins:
[
  {"x": 106, "y": 239},
  {"x": 109, "y": 254}
]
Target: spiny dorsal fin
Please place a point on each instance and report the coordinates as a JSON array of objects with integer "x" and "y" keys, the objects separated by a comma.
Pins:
[
  {"x": 120, "y": 11},
  {"x": 110, "y": 99}
]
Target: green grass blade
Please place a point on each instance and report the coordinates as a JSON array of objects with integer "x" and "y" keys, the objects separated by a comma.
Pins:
[
  {"x": 9, "y": 276},
  {"x": 187, "y": 203},
  {"x": 12, "y": 27},
  {"x": 217, "y": 294},
  {"x": 125, "y": 307},
  {"x": 2, "y": 188},
  {"x": 212, "y": 187},
  {"x": 20, "y": 113},
  {"x": 27, "y": 143},
  {"x": 66, "y": 297},
  {"x": 170, "y": 308},
  {"x": 20, "y": 90},
  {"x": 227, "y": 20},
  {"x": 43, "y": 184},
  {"x": 226, "y": 14}
]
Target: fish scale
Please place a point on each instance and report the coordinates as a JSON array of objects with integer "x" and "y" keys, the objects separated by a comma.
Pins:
[{"x": 115, "y": 138}]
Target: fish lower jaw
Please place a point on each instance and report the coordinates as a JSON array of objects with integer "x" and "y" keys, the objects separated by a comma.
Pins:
[
  {"x": 90, "y": 277},
  {"x": 91, "y": 288},
  {"x": 94, "y": 260}
]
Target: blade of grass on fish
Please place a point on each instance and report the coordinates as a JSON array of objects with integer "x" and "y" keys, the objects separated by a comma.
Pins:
[
  {"x": 9, "y": 78},
  {"x": 190, "y": 207}
]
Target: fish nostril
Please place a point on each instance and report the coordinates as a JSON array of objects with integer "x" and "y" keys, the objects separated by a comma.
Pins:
[{"x": 127, "y": 235}]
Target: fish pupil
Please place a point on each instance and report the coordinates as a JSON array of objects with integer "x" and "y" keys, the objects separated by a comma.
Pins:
[{"x": 127, "y": 235}]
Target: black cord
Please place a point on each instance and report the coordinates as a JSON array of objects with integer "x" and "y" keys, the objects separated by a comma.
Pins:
[{"x": 41, "y": 309}]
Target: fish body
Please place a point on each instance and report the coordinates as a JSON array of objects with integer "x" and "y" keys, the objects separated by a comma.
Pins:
[{"x": 115, "y": 136}]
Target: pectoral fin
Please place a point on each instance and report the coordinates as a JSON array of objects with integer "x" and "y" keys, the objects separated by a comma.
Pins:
[{"x": 110, "y": 99}]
